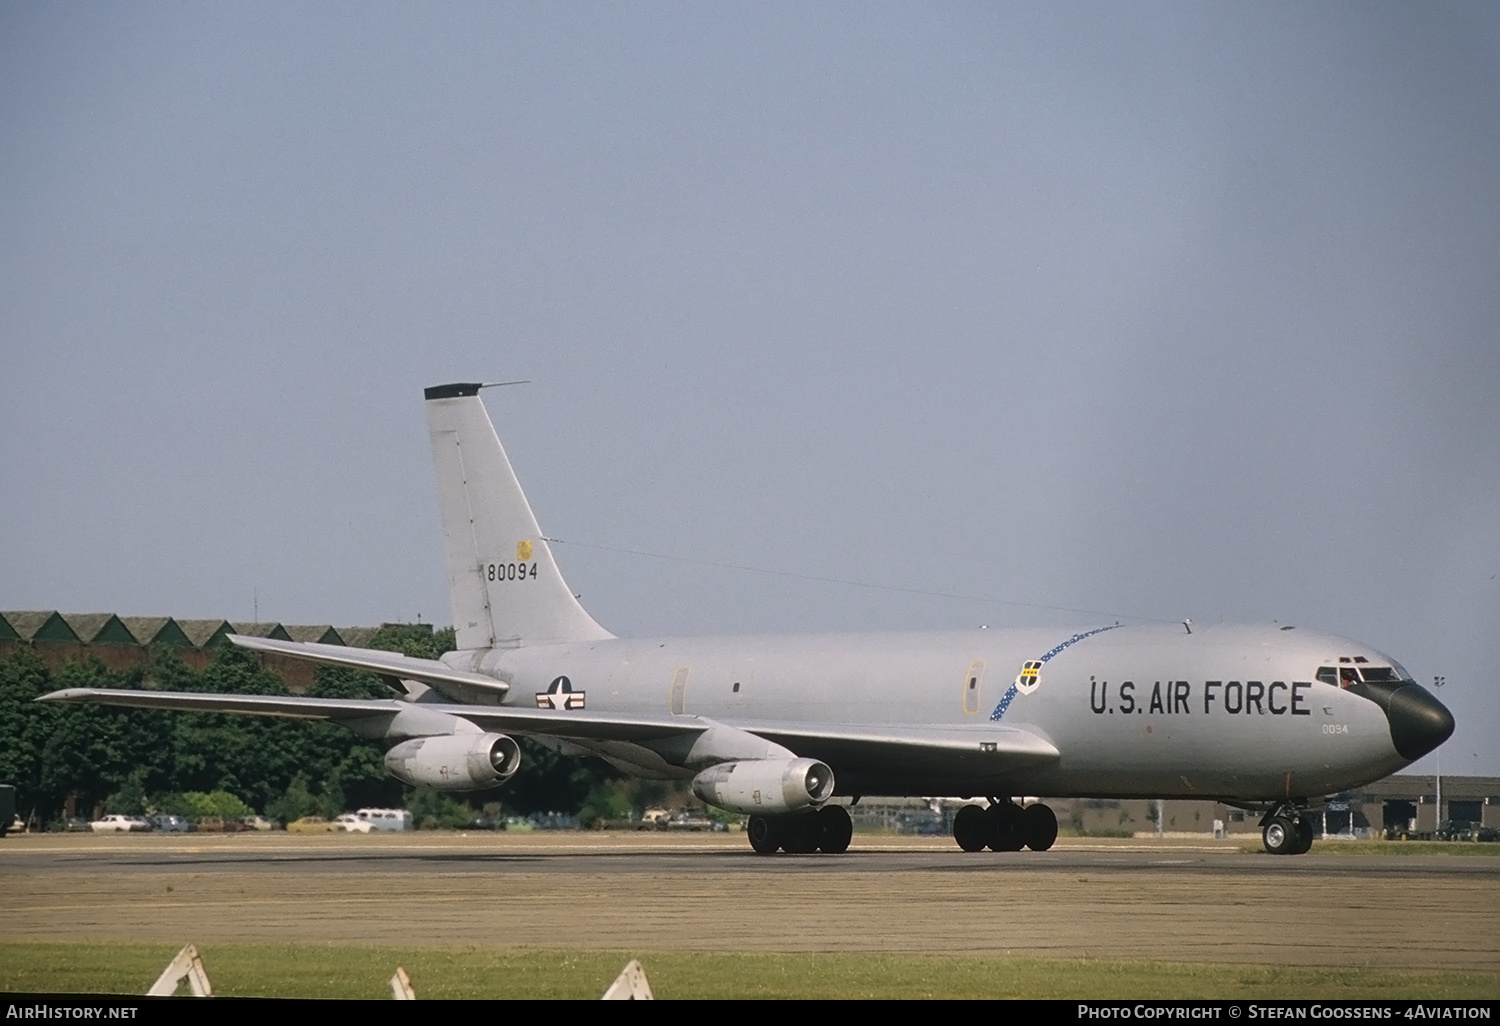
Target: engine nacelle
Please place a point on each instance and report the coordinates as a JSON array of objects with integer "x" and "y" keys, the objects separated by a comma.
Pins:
[
  {"x": 455, "y": 762},
  {"x": 765, "y": 785}
]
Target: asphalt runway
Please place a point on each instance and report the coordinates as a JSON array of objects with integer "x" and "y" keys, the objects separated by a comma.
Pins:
[{"x": 1200, "y": 902}]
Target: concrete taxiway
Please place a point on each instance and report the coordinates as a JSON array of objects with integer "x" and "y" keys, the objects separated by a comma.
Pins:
[{"x": 1133, "y": 899}]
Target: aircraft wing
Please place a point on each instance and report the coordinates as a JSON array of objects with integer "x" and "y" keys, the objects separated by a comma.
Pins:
[
  {"x": 848, "y": 747},
  {"x": 852, "y": 745},
  {"x": 836, "y": 744},
  {"x": 286, "y": 706},
  {"x": 574, "y": 725},
  {"x": 859, "y": 747},
  {"x": 577, "y": 725},
  {"x": 461, "y": 684}
]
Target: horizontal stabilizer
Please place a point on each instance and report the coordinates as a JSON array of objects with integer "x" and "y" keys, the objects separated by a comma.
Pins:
[{"x": 459, "y": 685}]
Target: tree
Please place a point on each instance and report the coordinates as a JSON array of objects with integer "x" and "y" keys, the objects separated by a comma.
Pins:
[
  {"x": 87, "y": 756},
  {"x": 23, "y": 677},
  {"x": 90, "y": 751}
]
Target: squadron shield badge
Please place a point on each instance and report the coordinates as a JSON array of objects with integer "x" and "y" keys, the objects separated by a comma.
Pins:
[{"x": 1029, "y": 677}]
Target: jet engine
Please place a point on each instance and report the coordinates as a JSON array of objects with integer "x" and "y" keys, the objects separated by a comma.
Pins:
[
  {"x": 455, "y": 762},
  {"x": 768, "y": 786}
]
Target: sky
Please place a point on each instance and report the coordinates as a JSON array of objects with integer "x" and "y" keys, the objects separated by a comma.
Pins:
[{"x": 1009, "y": 313}]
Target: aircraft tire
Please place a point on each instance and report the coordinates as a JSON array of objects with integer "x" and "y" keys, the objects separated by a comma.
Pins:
[
  {"x": 1280, "y": 836},
  {"x": 971, "y": 828},
  {"x": 1007, "y": 826},
  {"x": 1040, "y": 827},
  {"x": 800, "y": 833},
  {"x": 1304, "y": 836},
  {"x": 835, "y": 829},
  {"x": 765, "y": 834}
]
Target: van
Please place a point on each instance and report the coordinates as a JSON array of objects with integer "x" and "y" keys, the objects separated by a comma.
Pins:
[{"x": 387, "y": 819}]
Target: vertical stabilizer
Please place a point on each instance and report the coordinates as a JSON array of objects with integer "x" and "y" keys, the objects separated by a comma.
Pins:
[{"x": 505, "y": 587}]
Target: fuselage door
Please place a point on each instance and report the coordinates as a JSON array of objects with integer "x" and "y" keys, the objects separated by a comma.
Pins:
[{"x": 972, "y": 683}]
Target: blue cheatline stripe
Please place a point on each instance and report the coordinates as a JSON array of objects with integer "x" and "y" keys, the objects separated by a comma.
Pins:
[{"x": 1011, "y": 692}]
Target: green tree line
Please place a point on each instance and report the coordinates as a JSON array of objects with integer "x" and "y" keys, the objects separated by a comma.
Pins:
[{"x": 85, "y": 760}]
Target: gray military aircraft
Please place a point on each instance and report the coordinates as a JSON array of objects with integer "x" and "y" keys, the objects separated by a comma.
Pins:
[{"x": 1266, "y": 718}]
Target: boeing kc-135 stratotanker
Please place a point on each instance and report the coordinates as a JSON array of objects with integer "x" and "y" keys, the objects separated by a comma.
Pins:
[{"x": 1266, "y": 718}]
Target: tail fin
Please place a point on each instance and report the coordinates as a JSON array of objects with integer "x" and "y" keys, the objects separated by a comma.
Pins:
[{"x": 505, "y": 587}]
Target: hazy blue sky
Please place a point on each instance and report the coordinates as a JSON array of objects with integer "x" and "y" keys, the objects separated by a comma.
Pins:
[{"x": 1182, "y": 310}]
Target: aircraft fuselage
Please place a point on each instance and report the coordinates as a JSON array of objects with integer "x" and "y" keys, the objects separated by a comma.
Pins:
[{"x": 1138, "y": 710}]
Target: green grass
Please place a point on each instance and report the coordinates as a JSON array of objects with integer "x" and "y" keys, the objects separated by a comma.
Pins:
[{"x": 342, "y": 971}]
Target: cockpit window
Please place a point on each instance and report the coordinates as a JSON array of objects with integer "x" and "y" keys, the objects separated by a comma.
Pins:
[{"x": 1346, "y": 675}]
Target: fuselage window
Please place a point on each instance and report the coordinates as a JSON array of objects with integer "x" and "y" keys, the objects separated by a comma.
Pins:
[
  {"x": 1379, "y": 673},
  {"x": 1328, "y": 675}
]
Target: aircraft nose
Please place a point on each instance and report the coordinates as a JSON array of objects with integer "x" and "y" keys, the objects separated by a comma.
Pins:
[{"x": 1419, "y": 722}]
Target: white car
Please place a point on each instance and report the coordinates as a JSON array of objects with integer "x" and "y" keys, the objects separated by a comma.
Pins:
[
  {"x": 116, "y": 823},
  {"x": 349, "y": 823},
  {"x": 387, "y": 819}
]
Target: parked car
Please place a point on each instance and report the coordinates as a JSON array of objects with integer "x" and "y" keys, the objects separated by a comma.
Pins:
[
  {"x": 117, "y": 823},
  {"x": 309, "y": 825},
  {"x": 257, "y": 823},
  {"x": 171, "y": 824},
  {"x": 349, "y": 823},
  {"x": 387, "y": 819},
  {"x": 219, "y": 825},
  {"x": 1465, "y": 830}
]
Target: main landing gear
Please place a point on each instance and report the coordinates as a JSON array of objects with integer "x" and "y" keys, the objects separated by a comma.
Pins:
[
  {"x": 827, "y": 830},
  {"x": 1287, "y": 830},
  {"x": 1005, "y": 826}
]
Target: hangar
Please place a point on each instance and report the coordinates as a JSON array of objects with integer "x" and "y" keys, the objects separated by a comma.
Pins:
[{"x": 124, "y": 642}]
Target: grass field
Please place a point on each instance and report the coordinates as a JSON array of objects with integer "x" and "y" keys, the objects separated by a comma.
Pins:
[{"x": 329, "y": 971}]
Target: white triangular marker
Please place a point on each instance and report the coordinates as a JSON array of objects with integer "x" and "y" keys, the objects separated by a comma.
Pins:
[
  {"x": 401, "y": 986},
  {"x": 187, "y": 965},
  {"x": 630, "y": 985}
]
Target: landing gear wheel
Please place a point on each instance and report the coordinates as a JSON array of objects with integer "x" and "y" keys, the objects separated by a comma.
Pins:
[
  {"x": 1280, "y": 836},
  {"x": 800, "y": 834},
  {"x": 1006, "y": 825},
  {"x": 834, "y": 829},
  {"x": 1039, "y": 827},
  {"x": 971, "y": 828},
  {"x": 765, "y": 834},
  {"x": 1304, "y": 827}
]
